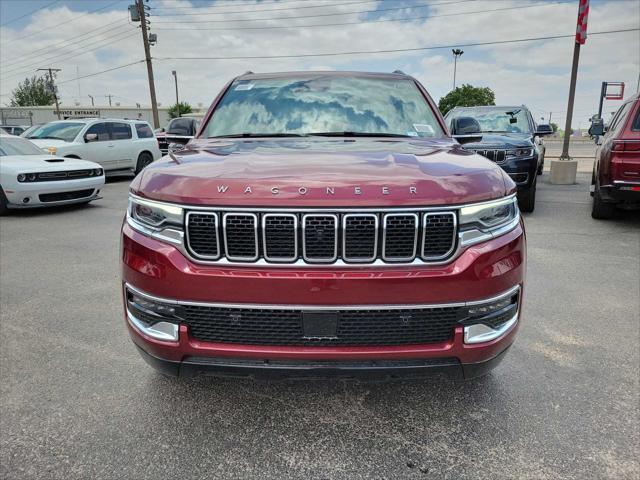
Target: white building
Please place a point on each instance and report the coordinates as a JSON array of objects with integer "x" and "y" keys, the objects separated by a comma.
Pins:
[{"x": 38, "y": 115}]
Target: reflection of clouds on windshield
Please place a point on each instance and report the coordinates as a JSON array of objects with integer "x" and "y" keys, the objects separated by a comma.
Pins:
[{"x": 322, "y": 104}]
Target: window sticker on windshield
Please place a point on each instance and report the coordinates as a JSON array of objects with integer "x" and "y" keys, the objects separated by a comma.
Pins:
[
  {"x": 244, "y": 86},
  {"x": 424, "y": 128}
]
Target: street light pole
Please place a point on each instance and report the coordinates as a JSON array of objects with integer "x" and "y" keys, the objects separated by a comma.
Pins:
[
  {"x": 92, "y": 102},
  {"x": 563, "y": 170},
  {"x": 456, "y": 53},
  {"x": 175, "y": 76}
]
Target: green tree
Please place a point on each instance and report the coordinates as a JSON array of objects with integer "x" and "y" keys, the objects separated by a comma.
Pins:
[
  {"x": 466, "y": 96},
  {"x": 183, "y": 107},
  {"x": 34, "y": 91},
  {"x": 554, "y": 126}
]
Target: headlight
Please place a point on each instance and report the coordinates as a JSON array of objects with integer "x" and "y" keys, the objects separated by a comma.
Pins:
[
  {"x": 520, "y": 152},
  {"x": 485, "y": 220},
  {"x": 155, "y": 214},
  {"x": 22, "y": 177}
]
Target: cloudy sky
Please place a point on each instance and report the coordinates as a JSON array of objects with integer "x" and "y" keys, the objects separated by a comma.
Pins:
[{"x": 85, "y": 37}]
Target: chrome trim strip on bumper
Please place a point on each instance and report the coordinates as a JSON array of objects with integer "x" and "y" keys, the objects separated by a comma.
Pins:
[
  {"x": 165, "y": 331},
  {"x": 270, "y": 306},
  {"x": 480, "y": 333}
]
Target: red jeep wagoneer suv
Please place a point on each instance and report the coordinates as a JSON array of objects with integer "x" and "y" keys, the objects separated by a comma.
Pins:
[{"x": 323, "y": 223}]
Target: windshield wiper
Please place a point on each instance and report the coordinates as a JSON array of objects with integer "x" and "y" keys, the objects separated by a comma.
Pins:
[
  {"x": 358, "y": 134},
  {"x": 259, "y": 135}
]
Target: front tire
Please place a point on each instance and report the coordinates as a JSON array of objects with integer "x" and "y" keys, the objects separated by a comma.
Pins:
[
  {"x": 4, "y": 210},
  {"x": 527, "y": 201},
  {"x": 144, "y": 159}
]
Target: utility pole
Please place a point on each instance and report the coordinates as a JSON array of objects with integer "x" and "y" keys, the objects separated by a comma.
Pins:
[
  {"x": 563, "y": 170},
  {"x": 109, "y": 97},
  {"x": 550, "y": 118},
  {"x": 52, "y": 86},
  {"x": 456, "y": 53},
  {"x": 92, "y": 102},
  {"x": 175, "y": 76},
  {"x": 147, "y": 53}
]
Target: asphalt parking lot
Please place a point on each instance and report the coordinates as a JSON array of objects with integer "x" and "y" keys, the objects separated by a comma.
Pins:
[{"x": 78, "y": 402}]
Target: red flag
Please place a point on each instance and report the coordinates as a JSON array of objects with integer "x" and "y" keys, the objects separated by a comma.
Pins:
[{"x": 581, "y": 29}]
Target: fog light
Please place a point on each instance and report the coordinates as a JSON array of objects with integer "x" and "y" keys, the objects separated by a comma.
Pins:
[
  {"x": 152, "y": 317},
  {"x": 489, "y": 320}
]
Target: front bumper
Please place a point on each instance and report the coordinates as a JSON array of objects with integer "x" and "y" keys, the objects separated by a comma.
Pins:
[
  {"x": 28, "y": 195},
  {"x": 480, "y": 272},
  {"x": 522, "y": 171}
]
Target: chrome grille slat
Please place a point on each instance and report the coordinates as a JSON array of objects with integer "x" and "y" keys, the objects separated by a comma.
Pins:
[
  {"x": 322, "y": 237},
  {"x": 241, "y": 236},
  {"x": 400, "y": 237},
  {"x": 360, "y": 237},
  {"x": 439, "y": 234},
  {"x": 497, "y": 155},
  {"x": 202, "y": 234},
  {"x": 280, "y": 237}
]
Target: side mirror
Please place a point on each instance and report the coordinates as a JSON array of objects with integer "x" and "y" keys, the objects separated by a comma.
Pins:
[
  {"x": 466, "y": 130},
  {"x": 91, "y": 137},
  {"x": 544, "y": 129},
  {"x": 597, "y": 127}
]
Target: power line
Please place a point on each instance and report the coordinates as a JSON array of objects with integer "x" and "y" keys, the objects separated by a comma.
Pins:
[
  {"x": 265, "y": 10},
  {"x": 70, "y": 54},
  {"x": 66, "y": 43},
  {"x": 64, "y": 23},
  {"x": 396, "y": 50},
  {"x": 101, "y": 72},
  {"x": 319, "y": 14},
  {"x": 219, "y": 5},
  {"x": 28, "y": 14},
  {"x": 422, "y": 17}
]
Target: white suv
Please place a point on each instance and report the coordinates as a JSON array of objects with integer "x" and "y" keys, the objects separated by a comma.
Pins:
[{"x": 115, "y": 144}]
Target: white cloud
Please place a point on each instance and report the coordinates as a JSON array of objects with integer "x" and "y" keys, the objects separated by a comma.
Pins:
[{"x": 533, "y": 73}]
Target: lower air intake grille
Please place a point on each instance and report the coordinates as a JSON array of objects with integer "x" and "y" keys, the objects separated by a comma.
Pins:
[
  {"x": 355, "y": 327},
  {"x": 62, "y": 196}
]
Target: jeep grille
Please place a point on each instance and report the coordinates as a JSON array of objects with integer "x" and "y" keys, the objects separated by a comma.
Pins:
[{"x": 322, "y": 237}]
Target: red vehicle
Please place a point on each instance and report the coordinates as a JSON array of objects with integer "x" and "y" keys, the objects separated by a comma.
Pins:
[
  {"x": 319, "y": 224},
  {"x": 616, "y": 172}
]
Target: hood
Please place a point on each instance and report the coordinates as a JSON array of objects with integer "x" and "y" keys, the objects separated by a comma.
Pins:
[
  {"x": 43, "y": 163},
  {"x": 48, "y": 142},
  {"x": 321, "y": 172},
  {"x": 502, "y": 140}
]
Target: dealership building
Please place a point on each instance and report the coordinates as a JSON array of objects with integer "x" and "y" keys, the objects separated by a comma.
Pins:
[{"x": 38, "y": 115}]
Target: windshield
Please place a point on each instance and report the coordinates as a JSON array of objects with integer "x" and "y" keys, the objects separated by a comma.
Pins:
[
  {"x": 58, "y": 131},
  {"x": 496, "y": 119},
  {"x": 323, "y": 105},
  {"x": 18, "y": 146}
]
